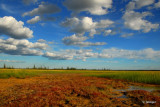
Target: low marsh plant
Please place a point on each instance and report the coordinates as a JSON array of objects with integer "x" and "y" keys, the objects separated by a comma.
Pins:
[{"x": 151, "y": 77}]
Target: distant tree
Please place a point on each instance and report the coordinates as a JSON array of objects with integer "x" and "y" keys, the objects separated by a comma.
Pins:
[
  {"x": 4, "y": 66},
  {"x": 45, "y": 67},
  {"x": 68, "y": 68},
  {"x": 9, "y": 67},
  {"x": 72, "y": 68},
  {"x": 34, "y": 67}
]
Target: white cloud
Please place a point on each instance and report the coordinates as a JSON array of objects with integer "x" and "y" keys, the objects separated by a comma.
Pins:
[
  {"x": 148, "y": 53},
  {"x": 105, "y": 61},
  {"x": 70, "y": 54},
  {"x": 104, "y": 23},
  {"x": 157, "y": 5},
  {"x": 95, "y": 7},
  {"x": 126, "y": 35},
  {"x": 83, "y": 54},
  {"x": 136, "y": 21},
  {"x": 130, "y": 6},
  {"x": 107, "y": 32},
  {"x": 41, "y": 41},
  {"x": 21, "y": 47},
  {"x": 27, "y": 2},
  {"x": 46, "y": 42},
  {"x": 73, "y": 39},
  {"x": 13, "y": 61},
  {"x": 137, "y": 4},
  {"x": 11, "y": 27},
  {"x": 34, "y": 20},
  {"x": 40, "y": 18},
  {"x": 80, "y": 26},
  {"x": 54, "y": 56},
  {"x": 6, "y": 8},
  {"x": 42, "y": 24},
  {"x": 86, "y": 24},
  {"x": 42, "y": 10},
  {"x": 71, "y": 22},
  {"x": 79, "y": 41}
]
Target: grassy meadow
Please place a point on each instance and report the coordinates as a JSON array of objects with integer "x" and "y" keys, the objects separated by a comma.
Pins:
[{"x": 150, "y": 77}]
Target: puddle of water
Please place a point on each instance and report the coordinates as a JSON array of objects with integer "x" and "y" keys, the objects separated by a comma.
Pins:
[
  {"x": 150, "y": 89},
  {"x": 132, "y": 88},
  {"x": 123, "y": 96}
]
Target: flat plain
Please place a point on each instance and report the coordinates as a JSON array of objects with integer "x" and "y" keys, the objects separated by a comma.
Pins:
[{"x": 79, "y": 88}]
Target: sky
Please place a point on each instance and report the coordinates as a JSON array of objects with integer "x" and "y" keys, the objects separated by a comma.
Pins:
[{"x": 92, "y": 34}]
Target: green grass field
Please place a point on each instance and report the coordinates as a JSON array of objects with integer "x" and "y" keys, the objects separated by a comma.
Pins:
[
  {"x": 151, "y": 77},
  {"x": 23, "y": 73}
]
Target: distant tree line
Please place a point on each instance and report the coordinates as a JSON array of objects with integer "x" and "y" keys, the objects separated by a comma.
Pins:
[
  {"x": 45, "y": 68},
  {"x": 7, "y": 67}
]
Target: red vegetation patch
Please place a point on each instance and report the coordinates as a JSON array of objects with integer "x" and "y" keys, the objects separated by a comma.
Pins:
[
  {"x": 144, "y": 98},
  {"x": 67, "y": 90}
]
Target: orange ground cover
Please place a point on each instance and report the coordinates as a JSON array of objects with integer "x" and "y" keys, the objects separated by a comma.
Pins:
[{"x": 70, "y": 90}]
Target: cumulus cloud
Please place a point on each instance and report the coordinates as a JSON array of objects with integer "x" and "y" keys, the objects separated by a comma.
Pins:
[
  {"x": 136, "y": 21},
  {"x": 86, "y": 24},
  {"x": 21, "y": 47},
  {"x": 104, "y": 23},
  {"x": 84, "y": 54},
  {"x": 11, "y": 27},
  {"x": 70, "y": 54},
  {"x": 54, "y": 56},
  {"x": 80, "y": 26},
  {"x": 42, "y": 10},
  {"x": 79, "y": 41},
  {"x": 157, "y": 5},
  {"x": 95, "y": 7},
  {"x": 137, "y": 4},
  {"x": 27, "y": 2},
  {"x": 40, "y": 18},
  {"x": 70, "y": 22},
  {"x": 34, "y": 20},
  {"x": 148, "y": 53}
]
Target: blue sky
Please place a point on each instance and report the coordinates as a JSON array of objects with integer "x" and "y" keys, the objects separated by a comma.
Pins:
[{"x": 91, "y": 34}]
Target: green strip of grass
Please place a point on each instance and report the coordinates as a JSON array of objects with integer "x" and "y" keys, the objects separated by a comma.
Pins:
[
  {"x": 23, "y": 73},
  {"x": 150, "y": 77},
  {"x": 17, "y": 74}
]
